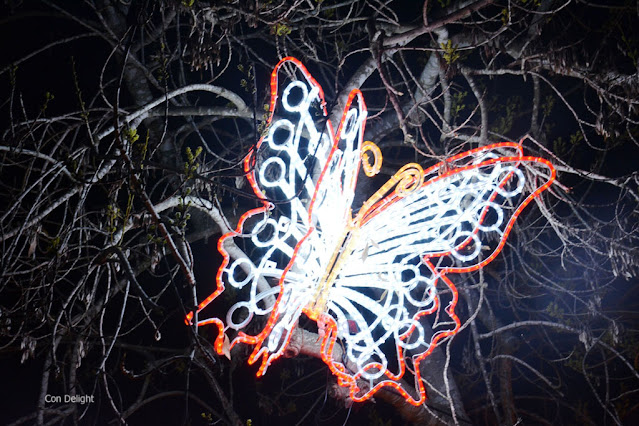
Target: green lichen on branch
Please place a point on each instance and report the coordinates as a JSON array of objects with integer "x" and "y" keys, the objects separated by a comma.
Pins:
[
  {"x": 451, "y": 53},
  {"x": 279, "y": 29},
  {"x": 190, "y": 166}
]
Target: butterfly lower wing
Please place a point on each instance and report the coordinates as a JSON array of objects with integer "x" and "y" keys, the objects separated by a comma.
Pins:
[
  {"x": 374, "y": 310},
  {"x": 395, "y": 276}
]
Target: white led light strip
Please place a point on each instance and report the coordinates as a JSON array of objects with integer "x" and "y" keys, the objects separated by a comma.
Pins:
[{"x": 372, "y": 278}]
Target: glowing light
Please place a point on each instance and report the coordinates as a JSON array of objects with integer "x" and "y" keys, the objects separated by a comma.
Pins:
[
  {"x": 368, "y": 279},
  {"x": 371, "y": 169}
]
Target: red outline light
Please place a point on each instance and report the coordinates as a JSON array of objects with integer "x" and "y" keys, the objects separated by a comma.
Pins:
[{"x": 329, "y": 338}]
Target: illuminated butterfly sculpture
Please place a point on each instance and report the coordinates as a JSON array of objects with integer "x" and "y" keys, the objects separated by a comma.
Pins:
[{"x": 369, "y": 279}]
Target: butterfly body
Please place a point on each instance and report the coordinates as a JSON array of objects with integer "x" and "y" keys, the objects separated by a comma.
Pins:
[
  {"x": 341, "y": 253},
  {"x": 370, "y": 280}
]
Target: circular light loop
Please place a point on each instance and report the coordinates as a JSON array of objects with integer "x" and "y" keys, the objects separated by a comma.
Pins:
[
  {"x": 301, "y": 105},
  {"x": 260, "y": 227},
  {"x": 288, "y": 127},
  {"x": 364, "y": 360},
  {"x": 483, "y": 210},
  {"x": 408, "y": 268},
  {"x": 238, "y": 325},
  {"x": 475, "y": 241},
  {"x": 418, "y": 341},
  {"x": 520, "y": 182},
  {"x": 279, "y": 164},
  {"x": 249, "y": 274},
  {"x": 430, "y": 291}
]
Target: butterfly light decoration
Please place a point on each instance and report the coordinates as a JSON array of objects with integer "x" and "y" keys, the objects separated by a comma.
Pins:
[{"x": 368, "y": 279}]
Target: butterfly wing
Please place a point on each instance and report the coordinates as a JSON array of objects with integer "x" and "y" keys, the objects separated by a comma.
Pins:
[
  {"x": 305, "y": 175},
  {"x": 406, "y": 244}
]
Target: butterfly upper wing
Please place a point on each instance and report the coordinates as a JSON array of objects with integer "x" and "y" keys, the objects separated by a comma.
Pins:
[
  {"x": 405, "y": 246},
  {"x": 305, "y": 174}
]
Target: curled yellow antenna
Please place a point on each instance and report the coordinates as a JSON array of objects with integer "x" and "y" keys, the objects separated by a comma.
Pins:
[{"x": 371, "y": 169}]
